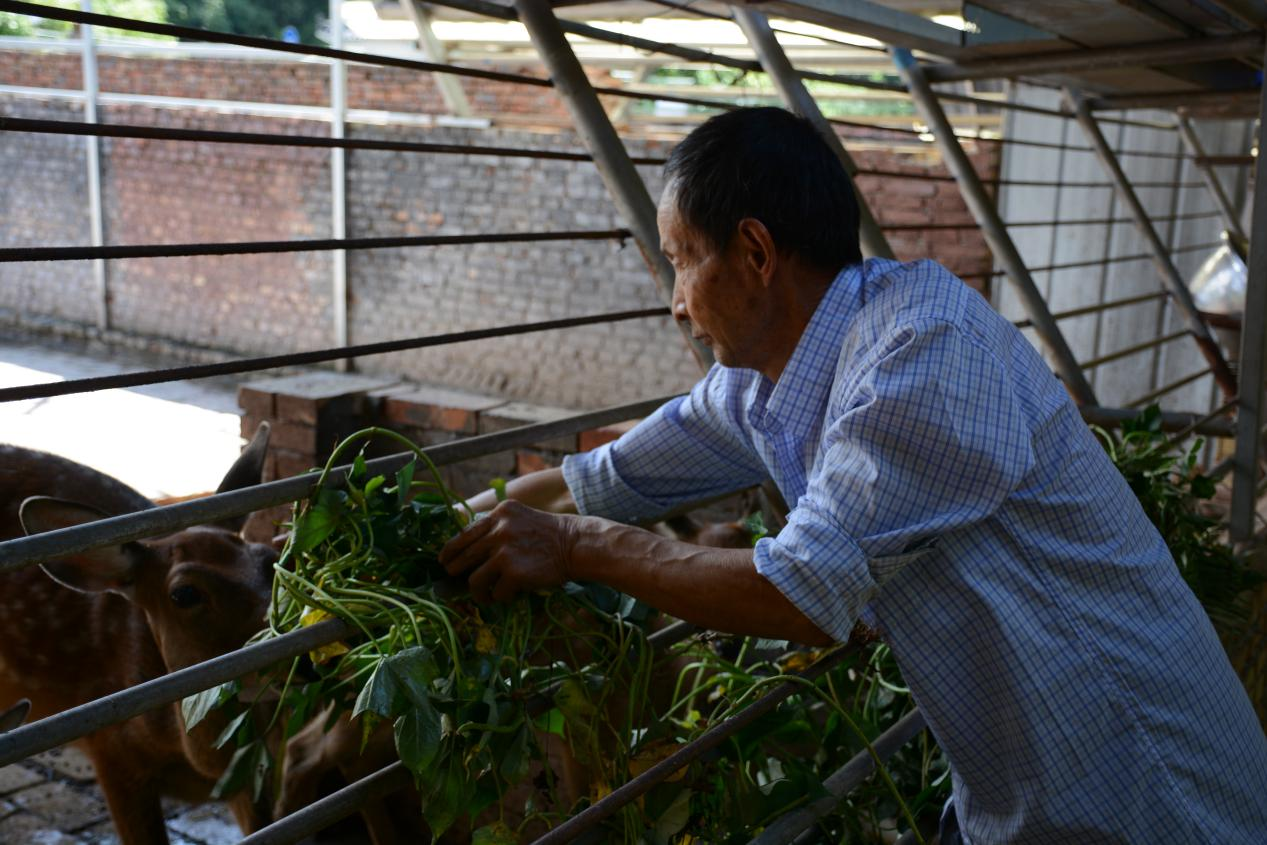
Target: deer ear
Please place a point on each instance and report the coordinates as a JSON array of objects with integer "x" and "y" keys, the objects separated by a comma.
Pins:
[
  {"x": 15, "y": 715},
  {"x": 109, "y": 568},
  {"x": 246, "y": 471}
]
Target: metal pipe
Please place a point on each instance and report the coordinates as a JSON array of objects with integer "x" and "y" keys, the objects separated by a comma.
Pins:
[
  {"x": 792, "y": 90},
  {"x": 1171, "y": 52},
  {"x": 92, "y": 151},
  {"x": 71, "y": 724},
  {"x": 1162, "y": 391},
  {"x": 1192, "y": 428},
  {"x": 162, "y": 133},
  {"x": 590, "y": 817},
  {"x": 623, "y": 182},
  {"x": 339, "y": 185},
  {"x": 994, "y": 230},
  {"x": 1097, "y": 308},
  {"x": 1172, "y": 99},
  {"x": 1253, "y": 357},
  {"x": 1227, "y": 161},
  {"x": 79, "y": 253},
  {"x": 1211, "y": 179},
  {"x": 1182, "y": 297},
  {"x": 1170, "y": 420},
  {"x": 249, "y": 365},
  {"x": 25, "y": 551},
  {"x": 1128, "y": 351},
  {"x": 841, "y": 782}
]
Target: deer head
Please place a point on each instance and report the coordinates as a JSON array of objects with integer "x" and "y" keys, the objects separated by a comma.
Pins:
[{"x": 203, "y": 590}]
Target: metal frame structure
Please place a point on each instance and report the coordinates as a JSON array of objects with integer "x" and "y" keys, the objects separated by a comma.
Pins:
[{"x": 635, "y": 206}]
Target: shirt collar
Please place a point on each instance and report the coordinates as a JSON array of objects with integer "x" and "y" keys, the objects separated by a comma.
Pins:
[{"x": 793, "y": 403}]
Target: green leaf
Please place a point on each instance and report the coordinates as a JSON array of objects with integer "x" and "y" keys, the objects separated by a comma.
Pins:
[
  {"x": 358, "y": 466},
  {"x": 379, "y": 694},
  {"x": 674, "y": 818},
  {"x": 494, "y": 834},
  {"x": 551, "y": 721},
  {"x": 312, "y": 527},
  {"x": 499, "y": 488},
  {"x": 418, "y": 738},
  {"x": 239, "y": 772},
  {"x": 518, "y": 757},
  {"x": 447, "y": 799},
  {"x": 196, "y": 707},
  {"x": 404, "y": 481},
  {"x": 230, "y": 729},
  {"x": 412, "y": 672}
]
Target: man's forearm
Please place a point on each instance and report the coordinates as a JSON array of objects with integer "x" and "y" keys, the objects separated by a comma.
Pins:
[
  {"x": 719, "y": 589},
  {"x": 544, "y": 490}
]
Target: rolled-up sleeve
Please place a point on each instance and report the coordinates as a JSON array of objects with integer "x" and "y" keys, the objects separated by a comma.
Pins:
[
  {"x": 931, "y": 439},
  {"x": 692, "y": 448}
]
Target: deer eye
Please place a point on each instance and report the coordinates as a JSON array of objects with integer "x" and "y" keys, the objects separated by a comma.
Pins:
[{"x": 186, "y": 596}]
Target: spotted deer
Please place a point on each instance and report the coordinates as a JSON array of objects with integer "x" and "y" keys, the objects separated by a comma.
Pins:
[{"x": 89, "y": 624}]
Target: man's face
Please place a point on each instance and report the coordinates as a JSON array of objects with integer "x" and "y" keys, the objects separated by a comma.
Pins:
[{"x": 711, "y": 289}]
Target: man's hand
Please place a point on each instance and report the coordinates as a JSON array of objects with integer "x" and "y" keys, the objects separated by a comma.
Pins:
[{"x": 511, "y": 550}]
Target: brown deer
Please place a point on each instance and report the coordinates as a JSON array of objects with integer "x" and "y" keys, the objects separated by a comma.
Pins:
[{"x": 81, "y": 627}]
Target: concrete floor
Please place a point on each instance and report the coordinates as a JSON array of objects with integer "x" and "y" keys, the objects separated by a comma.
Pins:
[{"x": 164, "y": 440}]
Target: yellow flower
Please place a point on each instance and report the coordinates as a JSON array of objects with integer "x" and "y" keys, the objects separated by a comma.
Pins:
[{"x": 325, "y": 653}]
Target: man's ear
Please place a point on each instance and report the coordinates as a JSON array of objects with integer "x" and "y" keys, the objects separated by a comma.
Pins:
[{"x": 759, "y": 252}]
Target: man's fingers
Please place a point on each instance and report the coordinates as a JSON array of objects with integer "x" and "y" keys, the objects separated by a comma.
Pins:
[
  {"x": 472, "y": 555},
  {"x": 472, "y": 533},
  {"x": 484, "y": 579}
]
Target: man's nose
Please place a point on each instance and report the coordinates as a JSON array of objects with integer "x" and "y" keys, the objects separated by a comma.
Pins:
[{"x": 679, "y": 305}]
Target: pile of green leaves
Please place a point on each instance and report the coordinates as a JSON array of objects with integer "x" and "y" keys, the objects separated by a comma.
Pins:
[
  {"x": 469, "y": 691},
  {"x": 1164, "y": 477}
]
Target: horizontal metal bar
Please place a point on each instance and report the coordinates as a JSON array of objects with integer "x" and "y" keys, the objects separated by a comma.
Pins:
[
  {"x": 1102, "y": 306},
  {"x": 897, "y": 174},
  {"x": 160, "y": 133},
  {"x": 841, "y": 782},
  {"x": 24, "y": 551},
  {"x": 1132, "y": 350},
  {"x": 193, "y": 34},
  {"x": 593, "y": 815},
  {"x": 71, "y": 724},
  {"x": 1195, "y": 425},
  {"x": 186, "y": 33},
  {"x": 1171, "y": 99},
  {"x": 1170, "y": 52},
  {"x": 1026, "y": 224},
  {"x": 81, "y": 253},
  {"x": 1175, "y": 385},
  {"x": 1196, "y": 247},
  {"x": 1170, "y": 420},
  {"x": 295, "y": 359},
  {"x": 1224, "y": 161}
]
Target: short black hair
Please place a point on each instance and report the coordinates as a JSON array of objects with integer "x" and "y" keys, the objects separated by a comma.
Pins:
[{"x": 768, "y": 164}]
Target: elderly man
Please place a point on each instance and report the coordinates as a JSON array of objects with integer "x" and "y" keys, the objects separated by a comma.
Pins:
[{"x": 945, "y": 491}]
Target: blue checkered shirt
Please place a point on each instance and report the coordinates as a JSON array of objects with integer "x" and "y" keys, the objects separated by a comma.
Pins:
[{"x": 948, "y": 493}]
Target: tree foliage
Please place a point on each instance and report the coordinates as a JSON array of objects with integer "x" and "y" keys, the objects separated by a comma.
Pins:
[{"x": 261, "y": 18}]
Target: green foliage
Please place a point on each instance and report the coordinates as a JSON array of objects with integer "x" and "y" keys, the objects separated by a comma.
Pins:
[
  {"x": 1165, "y": 479},
  {"x": 142, "y": 10},
  {"x": 462, "y": 687},
  {"x": 261, "y": 18}
]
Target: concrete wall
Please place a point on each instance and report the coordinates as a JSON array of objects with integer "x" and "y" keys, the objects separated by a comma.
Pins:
[{"x": 1122, "y": 381}]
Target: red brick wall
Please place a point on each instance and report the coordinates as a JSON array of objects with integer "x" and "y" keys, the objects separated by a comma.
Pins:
[{"x": 180, "y": 192}]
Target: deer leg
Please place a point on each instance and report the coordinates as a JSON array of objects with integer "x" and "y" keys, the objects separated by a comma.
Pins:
[
  {"x": 134, "y": 805},
  {"x": 249, "y": 816}
]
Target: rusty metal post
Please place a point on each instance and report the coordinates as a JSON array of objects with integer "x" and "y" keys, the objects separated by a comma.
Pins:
[
  {"x": 987, "y": 217},
  {"x": 1180, "y": 294},
  {"x": 1189, "y": 134},
  {"x": 756, "y": 28},
  {"x": 623, "y": 182},
  {"x": 1249, "y": 416}
]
